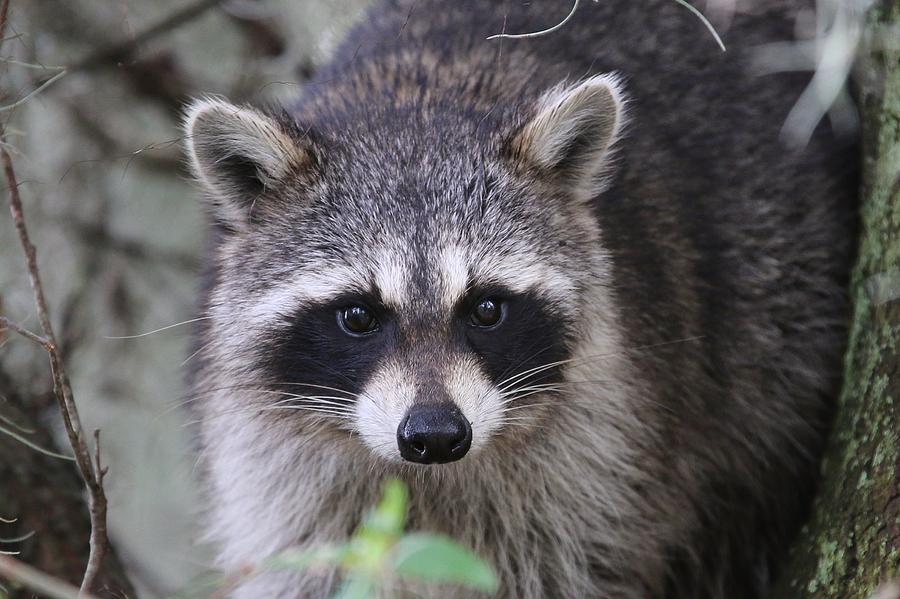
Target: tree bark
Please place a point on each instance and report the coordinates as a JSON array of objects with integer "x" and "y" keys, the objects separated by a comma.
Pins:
[
  {"x": 852, "y": 543},
  {"x": 46, "y": 499}
]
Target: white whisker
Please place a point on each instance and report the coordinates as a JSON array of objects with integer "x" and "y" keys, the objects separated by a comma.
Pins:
[{"x": 159, "y": 330}]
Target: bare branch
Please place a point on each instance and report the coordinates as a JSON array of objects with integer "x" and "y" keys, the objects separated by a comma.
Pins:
[
  {"x": 28, "y": 443},
  {"x": 62, "y": 390},
  {"x": 33, "y": 92},
  {"x": 568, "y": 17},
  {"x": 37, "y": 581},
  {"x": 543, "y": 32},
  {"x": 101, "y": 470},
  {"x": 7, "y": 324},
  {"x": 4, "y": 12}
]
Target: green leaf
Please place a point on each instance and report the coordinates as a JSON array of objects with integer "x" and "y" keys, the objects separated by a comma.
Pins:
[
  {"x": 389, "y": 517},
  {"x": 437, "y": 558},
  {"x": 356, "y": 588},
  {"x": 300, "y": 559}
]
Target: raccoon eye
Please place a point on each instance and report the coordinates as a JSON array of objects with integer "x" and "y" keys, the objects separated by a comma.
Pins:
[
  {"x": 357, "y": 320},
  {"x": 487, "y": 313}
]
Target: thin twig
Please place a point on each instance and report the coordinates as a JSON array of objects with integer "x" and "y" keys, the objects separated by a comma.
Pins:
[
  {"x": 568, "y": 17},
  {"x": 4, "y": 12},
  {"x": 62, "y": 390},
  {"x": 29, "y": 443},
  {"x": 19, "y": 538},
  {"x": 705, "y": 21},
  {"x": 34, "y": 92},
  {"x": 518, "y": 36},
  {"x": 37, "y": 581},
  {"x": 31, "y": 65},
  {"x": 7, "y": 324}
]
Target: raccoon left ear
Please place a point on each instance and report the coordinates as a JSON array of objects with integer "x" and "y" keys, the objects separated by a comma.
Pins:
[
  {"x": 244, "y": 158},
  {"x": 572, "y": 134}
]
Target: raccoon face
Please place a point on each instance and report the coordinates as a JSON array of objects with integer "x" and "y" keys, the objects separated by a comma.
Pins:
[{"x": 405, "y": 276}]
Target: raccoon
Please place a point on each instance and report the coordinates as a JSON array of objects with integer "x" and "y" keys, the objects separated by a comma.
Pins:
[{"x": 572, "y": 289}]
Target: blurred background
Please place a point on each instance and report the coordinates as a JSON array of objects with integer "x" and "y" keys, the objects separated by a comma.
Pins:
[
  {"x": 119, "y": 231},
  {"x": 92, "y": 93}
]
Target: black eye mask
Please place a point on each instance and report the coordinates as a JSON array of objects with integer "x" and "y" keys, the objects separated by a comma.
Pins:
[{"x": 339, "y": 345}]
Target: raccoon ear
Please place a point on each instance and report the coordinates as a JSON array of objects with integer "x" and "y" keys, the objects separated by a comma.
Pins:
[
  {"x": 240, "y": 155},
  {"x": 572, "y": 133}
]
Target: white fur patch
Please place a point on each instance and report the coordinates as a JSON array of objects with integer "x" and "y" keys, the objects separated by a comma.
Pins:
[
  {"x": 307, "y": 288},
  {"x": 523, "y": 271},
  {"x": 382, "y": 405},
  {"x": 477, "y": 398},
  {"x": 453, "y": 267},
  {"x": 392, "y": 391},
  {"x": 519, "y": 270},
  {"x": 392, "y": 278}
]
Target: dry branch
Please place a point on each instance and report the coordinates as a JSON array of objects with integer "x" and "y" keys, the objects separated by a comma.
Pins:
[
  {"x": 62, "y": 390},
  {"x": 38, "y": 581},
  {"x": 43, "y": 496},
  {"x": 90, "y": 471}
]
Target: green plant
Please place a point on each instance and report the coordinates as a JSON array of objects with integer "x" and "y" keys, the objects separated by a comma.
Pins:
[{"x": 379, "y": 554}]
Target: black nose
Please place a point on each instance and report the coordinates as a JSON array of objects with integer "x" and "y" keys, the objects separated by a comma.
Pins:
[{"x": 434, "y": 434}]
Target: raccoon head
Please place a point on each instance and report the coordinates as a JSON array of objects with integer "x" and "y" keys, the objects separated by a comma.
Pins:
[{"x": 423, "y": 277}]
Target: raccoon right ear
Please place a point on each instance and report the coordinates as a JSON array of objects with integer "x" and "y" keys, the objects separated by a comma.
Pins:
[
  {"x": 571, "y": 135},
  {"x": 241, "y": 156}
]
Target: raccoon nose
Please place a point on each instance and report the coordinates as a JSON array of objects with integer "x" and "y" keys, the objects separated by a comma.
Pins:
[{"x": 434, "y": 434}]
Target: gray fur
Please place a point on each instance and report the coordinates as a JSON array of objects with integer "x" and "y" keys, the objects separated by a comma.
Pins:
[{"x": 700, "y": 265}]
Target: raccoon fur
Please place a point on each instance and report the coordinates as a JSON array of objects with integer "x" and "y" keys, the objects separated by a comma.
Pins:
[{"x": 573, "y": 289}]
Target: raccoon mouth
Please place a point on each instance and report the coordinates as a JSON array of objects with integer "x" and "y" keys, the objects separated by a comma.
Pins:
[{"x": 434, "y": 434}]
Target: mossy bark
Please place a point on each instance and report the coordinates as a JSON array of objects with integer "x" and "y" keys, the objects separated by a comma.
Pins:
[{"x": 852, "y": 543}]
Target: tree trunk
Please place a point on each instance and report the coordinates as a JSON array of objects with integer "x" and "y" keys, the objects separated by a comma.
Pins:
[
  {"x": 45, "y": 499},
  {"x": 852, "y": 543}
]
